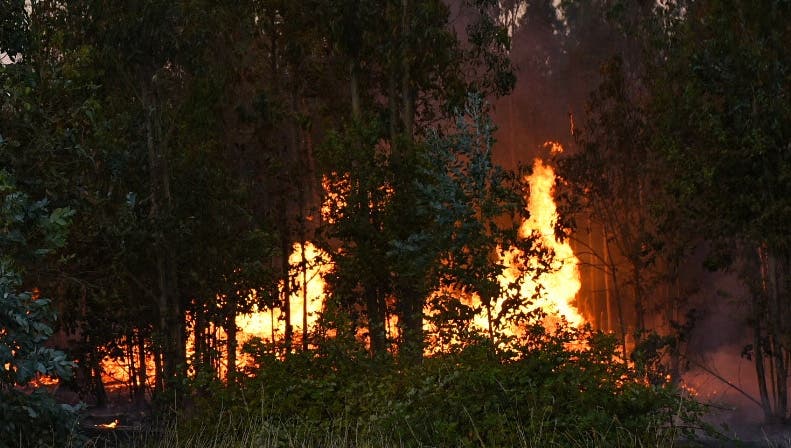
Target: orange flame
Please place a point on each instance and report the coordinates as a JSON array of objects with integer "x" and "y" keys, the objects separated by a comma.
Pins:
[
  {"x": 560, "y": 286},
  {"x": 111, "y": 425},
  {"x": 271, "y": 323}
]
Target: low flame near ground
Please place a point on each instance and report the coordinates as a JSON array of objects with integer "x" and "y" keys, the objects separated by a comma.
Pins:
[
  {"x": 558, "y": 287},
  {"x": 308, "y": 294}
]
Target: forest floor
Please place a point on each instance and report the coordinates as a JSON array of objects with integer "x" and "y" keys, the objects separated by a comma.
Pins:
[{"x": 743, "y": 427}]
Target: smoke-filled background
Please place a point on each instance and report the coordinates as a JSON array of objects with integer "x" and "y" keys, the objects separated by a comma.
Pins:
[{"x": 560, "y": 50}]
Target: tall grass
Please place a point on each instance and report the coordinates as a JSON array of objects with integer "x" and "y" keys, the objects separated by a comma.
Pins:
[{"x": 230, "y": 431}]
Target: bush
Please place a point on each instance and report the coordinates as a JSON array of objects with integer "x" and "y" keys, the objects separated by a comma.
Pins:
[
  {"x": 545, "y": 393},
  {"x": 29, "y": 416}
]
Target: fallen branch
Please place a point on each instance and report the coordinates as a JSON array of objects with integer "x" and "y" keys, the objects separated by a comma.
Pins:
[{"x": 721, "y": 378}]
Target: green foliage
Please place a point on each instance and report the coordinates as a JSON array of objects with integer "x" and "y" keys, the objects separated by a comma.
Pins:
[
  {"x": 29, "y": 417},
  {"x": 562, "y": 389},
  {"x": 722, "y": 111},
  {"x": 14, "y": 29},
  {"x": 472, "y": 210}
]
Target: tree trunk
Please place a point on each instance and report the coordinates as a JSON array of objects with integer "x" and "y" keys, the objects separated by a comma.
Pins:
[
  {"x": 407, "y": 95},
  {"x": 639, "y": 306},
  {"x": 489, "y": 323},
  {"x": 132, "y": 383},
  {"x": 285, "y": 246},
  {"x": 354, "y": 89},
  {"x": 159, "y": 376},
  {"x": 759, "y": 359},
  {"x": 142, "y": 373},
  {"x": 776, "y": 331},
  {"x": 611, "y": 268},
  {"x": 376, "y": 320},
  {"x": 95, "y": 378},
  {"x": 231, "y": 334},
  {"x": 411, "y": 320},
  {"x": 170, "y": 326},
  {"x": 304, "y": 268}
]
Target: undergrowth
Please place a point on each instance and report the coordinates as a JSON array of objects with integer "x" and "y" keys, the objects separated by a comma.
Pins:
[{"x": 542, "y": 394}]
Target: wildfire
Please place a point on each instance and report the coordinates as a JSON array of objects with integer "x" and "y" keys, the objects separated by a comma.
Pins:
[
  {"x": 557, "y": 287},
  {"x": 560, "y": 286},
  {"x": 307, "y": 295},
  {"x": 111, "y": 425}
]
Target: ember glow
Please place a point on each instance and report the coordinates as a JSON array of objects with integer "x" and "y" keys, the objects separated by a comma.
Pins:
[{"x": 111, "y": 425}]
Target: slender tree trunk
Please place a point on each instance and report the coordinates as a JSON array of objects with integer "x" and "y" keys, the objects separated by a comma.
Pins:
[
  {"x": 272, "y": 324},
  {"x": 673, "y": 296},
  {"x": 199, "y": 346},
  {"x": 142, "y": 374},
  {"x": 412, "y": 327},
  {"x": 758, "y": 352},
  {"x": 285, "y": 246},
  {"x": 98, "y": 384},
  {"x": 132, "y": 383},
  {"x": 608, "y": 297},
  {"x": 489, "y": 322},
  {"x": 170, "y": 326},
  {"x": 775, "y": 330},
  {"x": 231, "y": 333},
  {"x": 407, "y": 95},
  {"x": 511, "y": 132},
  {"x": 93, "y": 370},
  {"x": 159, "y": 376},
  {"x": 392, "y": 104},
  {"x": 639, "y": 306},
  {"x": 354, "y": 89},
  {"x": 304, "y": 267},
  {"x": 611, "y": 268},
  {"x": 779, "y": 352},
  {"x": 376, "y": 320}
]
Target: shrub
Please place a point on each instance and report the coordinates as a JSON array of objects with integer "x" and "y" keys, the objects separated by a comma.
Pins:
[
  {"x": 29, "y": 416},
  {"x": 548, "y": 391}
]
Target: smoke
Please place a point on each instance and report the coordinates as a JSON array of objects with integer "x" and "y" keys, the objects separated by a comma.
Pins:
[
  {"x": 719, "y": 370},
  {"x": 557, "y": 54}
]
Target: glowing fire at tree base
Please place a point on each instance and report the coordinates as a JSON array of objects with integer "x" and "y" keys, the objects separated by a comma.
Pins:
[
  {"x": 557, "y": 288},
  {"x": 553, "y": 292}
]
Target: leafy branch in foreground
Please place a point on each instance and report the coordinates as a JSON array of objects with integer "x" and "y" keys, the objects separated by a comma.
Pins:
[{"x": 30, "y": 415}]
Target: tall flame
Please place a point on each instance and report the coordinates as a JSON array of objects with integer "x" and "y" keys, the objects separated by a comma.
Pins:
[
  {"x": 559, "y": 285},
  {"x": 562, "y": 284}
]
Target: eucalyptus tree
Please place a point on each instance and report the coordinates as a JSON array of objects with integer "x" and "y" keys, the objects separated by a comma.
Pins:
[
  {"x": 406, "y": 71},
  {"x": 130, "y": 122},
  {"x": 473, "y": 211},
  {"x": 722, "y": 114}
]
